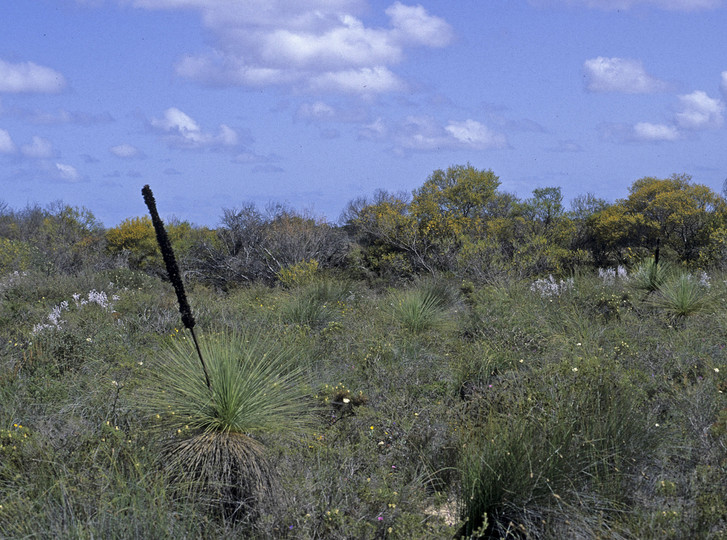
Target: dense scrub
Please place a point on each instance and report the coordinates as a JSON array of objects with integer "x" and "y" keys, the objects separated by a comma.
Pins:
[{"x": 389, "y": 390}]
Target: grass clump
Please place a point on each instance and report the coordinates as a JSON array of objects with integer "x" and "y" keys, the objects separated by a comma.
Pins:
[
  {"x": 210, "y": 450},
  {"x": 650, "y": 275},
  {"x": 424, "y": 307},
  {"x": 683, "y": 295},
  {"x": 548, "y": 457}
]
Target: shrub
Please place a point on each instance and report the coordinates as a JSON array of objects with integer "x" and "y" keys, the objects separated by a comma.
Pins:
[
  {"x": 418, "y": 310},
  {"x": 542, "y": 449},
  {"x": 210, "y": 450},
  {"x": 301, "y": 273},
  {"x": 649, "y": 276},
  {"x": 314, "y": 306},
  {"x": 683, "y": 295}
]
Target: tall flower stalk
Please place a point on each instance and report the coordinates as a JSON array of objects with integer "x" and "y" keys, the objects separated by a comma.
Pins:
[{"x": 173, "y": 271}]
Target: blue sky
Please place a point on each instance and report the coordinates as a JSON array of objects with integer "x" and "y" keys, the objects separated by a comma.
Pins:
[{"x": 311, "y": 103}]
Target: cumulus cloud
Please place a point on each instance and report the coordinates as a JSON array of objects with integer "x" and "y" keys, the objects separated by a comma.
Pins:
[
  {"x": 67, "y": 173},
  {"x": 424, "y": 134},
  {"x": 642, "y": 132},
  {"x": 7, "y": 146},
  {"x": 473, "y": 134},
  {"x": 311, "y": 44},
  {"x": 645, "y": 131},
  {"x": 126, "y": 151},
  {"x": 39, "y": 148},
  {"x": 699, "y": 111},
  {"x": 358, "y": 81},
  {"x": 619, "y": 75},
  {"x": 181, "y": 131},
  {"x": 412, "y": 24},
  {"x": 27, "y": 77}
]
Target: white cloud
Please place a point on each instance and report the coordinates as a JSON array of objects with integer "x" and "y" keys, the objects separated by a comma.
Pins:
[
  {"x": 176, "y": 120},
  {"x": 646, "y": 131},
  {"x": 39, "y": 148},
  {"x": 308, "y": 44},
  {"x": 619, "y": 75},
  {"x": 181, "y": 131},
  {"x": 475, "y": 135},
  {"x": 358, "y": 81},
  {"x": 412, "y": 24},
  {"x": 640, "y": 133},
  {"x": 424, "y": 134},
  {"x": 7, "y": 146},
  {"x": 67, "y": 173},
  {"x": 125, "y": 151},
  {"x": 29, "y": 77},
  {"x": 699, "y": 111},
  {"x": 347, "y": 45}
]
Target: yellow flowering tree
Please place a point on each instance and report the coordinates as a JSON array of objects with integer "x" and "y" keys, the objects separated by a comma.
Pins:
[{"x": 680, "y": 213}]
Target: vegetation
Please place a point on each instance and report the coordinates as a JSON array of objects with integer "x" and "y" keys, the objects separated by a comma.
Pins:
[{"x": 451, "y": 363}]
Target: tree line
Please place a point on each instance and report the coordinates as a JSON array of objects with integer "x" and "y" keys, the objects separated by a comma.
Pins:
[{"x": 458, "y": 222}]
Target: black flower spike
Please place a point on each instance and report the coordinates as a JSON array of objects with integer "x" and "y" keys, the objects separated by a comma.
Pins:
[{"x": 170, "y": 262}]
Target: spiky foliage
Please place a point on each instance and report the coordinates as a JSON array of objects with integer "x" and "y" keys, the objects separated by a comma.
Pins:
[
  {"x": 418, "y": 310},
  {"x": 256, "y": 389},
  {"x": 650, "y": 275},
  {"x": 682, "y": 296}
]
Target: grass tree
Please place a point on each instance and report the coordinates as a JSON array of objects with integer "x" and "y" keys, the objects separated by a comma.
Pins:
[
  {"x": 210, "y": 448},
  {"x": 251, "y": 385},
  {"x": 683, "y": 295}
]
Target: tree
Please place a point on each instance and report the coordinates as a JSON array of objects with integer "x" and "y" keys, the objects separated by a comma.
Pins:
[
  {"x": 546, "y": 205},
  {"x": 680, "y": 213},
  {"x": 428, "y": 231}
]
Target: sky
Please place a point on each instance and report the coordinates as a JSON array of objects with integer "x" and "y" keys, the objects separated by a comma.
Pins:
[{"x": 312, "y": 103}]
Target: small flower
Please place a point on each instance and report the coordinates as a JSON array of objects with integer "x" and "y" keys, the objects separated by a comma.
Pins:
[
  {"x": 380, "y": 518},
  {"x": 89, "y": 339},
  {"x": 574, "y": 369},
  {"x": 716, "y": 370}
]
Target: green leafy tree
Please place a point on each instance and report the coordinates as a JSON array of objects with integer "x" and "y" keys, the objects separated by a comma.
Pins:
[
  {"x": 680, "y": 213},
  {"x": 449, "y": 207}
]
